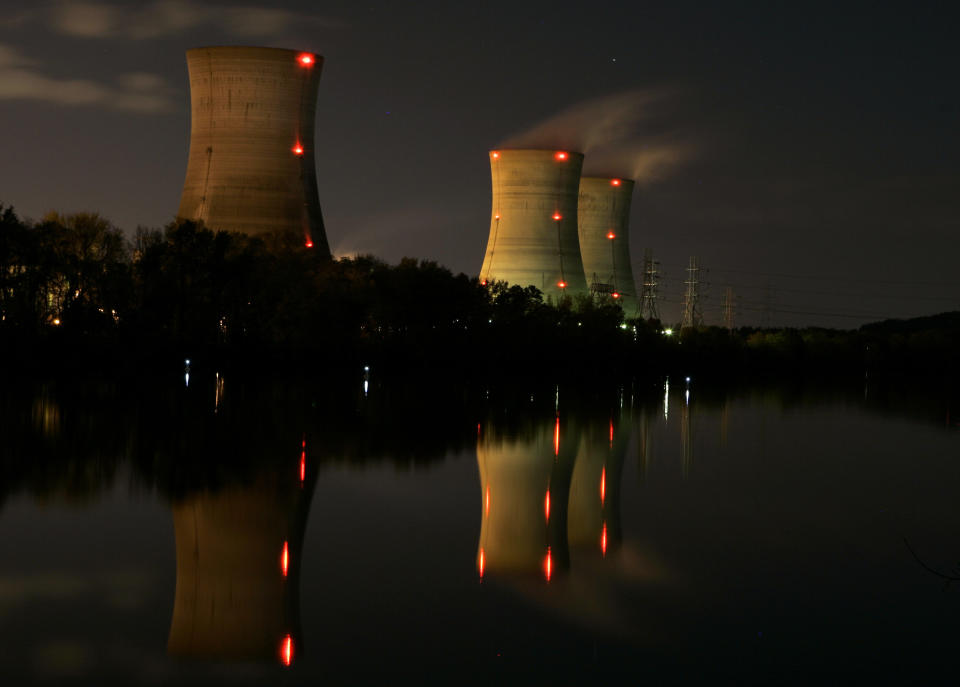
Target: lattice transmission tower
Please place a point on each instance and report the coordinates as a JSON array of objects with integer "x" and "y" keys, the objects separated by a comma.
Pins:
[
  {"x": 692, "y": 315},
  {"x": 648, "y": 291}
]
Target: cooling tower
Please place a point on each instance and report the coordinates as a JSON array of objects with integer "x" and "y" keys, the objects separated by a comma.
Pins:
[
  {"x": 533, "y": 223},
  {"x": 251, "y": 165},
  {"x": 525, "y": 482},
  {"x": 604, "y": 221}
]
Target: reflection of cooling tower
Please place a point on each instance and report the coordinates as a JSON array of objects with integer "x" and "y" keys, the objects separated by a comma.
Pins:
[
  {"x": 238, "y": 570},
  {"x": 251, "y": 166},
  {"x": 594, "y": 513},
  {"x": 533, "y": 225},
  {"x": 524, "y": 487},
  {"x": 604, "y": 222}
]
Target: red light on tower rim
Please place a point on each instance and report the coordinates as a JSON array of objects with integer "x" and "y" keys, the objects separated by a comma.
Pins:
[
  {"x": 306, "y": 59},
  {"x": 562, "y": 284},
  {"x": 615, "y": 182},
  {"x": 615, "y": 295},
  {"x": 309, "y": 243},
  {"x": 297, "y": 149},
  {"x": 611, "y": 235},
  {"x": 495, "y": 155},
  {"x": 561, "y": 155},
  {"x": 557, "y": 216}
]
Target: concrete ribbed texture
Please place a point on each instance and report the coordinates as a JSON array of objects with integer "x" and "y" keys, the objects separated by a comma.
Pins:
[
  {"x": 604, "y": 211},
  {"x": 533, "y": 222},
  {"x": 251, "y": 165}
]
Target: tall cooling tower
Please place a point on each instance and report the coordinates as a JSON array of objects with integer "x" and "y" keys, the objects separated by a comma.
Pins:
[
  {"x": 251, "y": 165},
  {"x": 604, "y": 222},
  {"x": 533, "y": 223}
]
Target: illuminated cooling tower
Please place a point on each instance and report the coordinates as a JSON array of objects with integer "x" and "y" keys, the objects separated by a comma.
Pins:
[
  {"x": 251, "y": 165},
  {"x": 604, "y": 222},
  {"x": 524, "y": 487},
  {"x": 533, "y": 224}
]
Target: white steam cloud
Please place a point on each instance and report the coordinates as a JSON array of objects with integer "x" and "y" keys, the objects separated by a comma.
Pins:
[{"x": 636, "y": 134}]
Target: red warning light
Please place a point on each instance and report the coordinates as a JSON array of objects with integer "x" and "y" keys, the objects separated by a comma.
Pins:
[
  {"x": 562, "y": 284},
  {"x": 298, "y": 150},
  {"x": 611, "y": 235},
  {"x": 306, "y": 59},
  {"x": 497, "y": 216},
  {"x": 483, "y": 282},
  {"x": 286, "y": 650},
  {"x": 495, "y": 155},
  {"x": 557, "y": 216},
  {"x": 309, "y": 243},
  {"x": 615, "y": 295},
  {"x": 614, "y": 182},
  {"x": 560, "y": 155}
]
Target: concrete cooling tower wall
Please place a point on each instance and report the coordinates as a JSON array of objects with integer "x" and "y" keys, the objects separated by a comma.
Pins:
[
  {"x": 604, "y": 225},
  {"x": 533, "y": 222},
  {"x": 251, "y": 164}
]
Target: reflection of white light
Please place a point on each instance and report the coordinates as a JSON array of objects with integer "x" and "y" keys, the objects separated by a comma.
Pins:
[
  {"x": 668, "y": 332},
  {"x": 666, "y": 400},
  {"x": 366, "y": 387},
  {"x": 687, "y": 396},
  {"x": 624, "y": 326},
  {"x": 186, "y": 378}
]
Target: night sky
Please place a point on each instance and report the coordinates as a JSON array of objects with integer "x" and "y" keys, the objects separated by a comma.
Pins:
[{"x": 807, "y": 152}]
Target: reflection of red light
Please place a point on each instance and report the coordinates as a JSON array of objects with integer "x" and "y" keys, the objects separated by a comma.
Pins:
[
  {"x": 495, "y": 155},
  {"x": 611, "y": 235},
  {"x": 557, "y": 216},
  {"x": 285, "y": 559},
  {"x": 298, "y": 149},
  {"x": 486, "y": 502},
  {"x": 611, "y": 430},
  {"x": 303, "y": 466},
  {"x": 286, "y": 650},
  {"x": 561, "y": 155},
  {"x": 556, "y": 438},
  {"x": 603, "y": 485},
  {"x": 306, "y": 59},
  {"x": 548, "y": 565},
  {"x": 480, "y": 563},
  {"x": 614, "y": 182},
  {"x": 615, "y": 295},
  {"x": 562, "y": 284},
  {"x": 546, "y": 506},
  {"x": 603, "y": 540}
]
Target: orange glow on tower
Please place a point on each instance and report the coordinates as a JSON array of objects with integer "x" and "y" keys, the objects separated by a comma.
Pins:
[
  {"x": 286, "y": 650},
  {"x": 548, "y": 565},
  {"x": 306, "y": 59},
  {"x": 561, "y": 155},
  {"x": 496, "y": 216}
]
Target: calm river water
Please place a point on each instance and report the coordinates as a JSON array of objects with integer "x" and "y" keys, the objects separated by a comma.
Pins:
[{"x": 228, "y": 532}]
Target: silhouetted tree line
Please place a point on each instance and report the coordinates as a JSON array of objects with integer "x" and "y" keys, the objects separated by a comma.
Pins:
[{"x": 75, "y": 282}]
